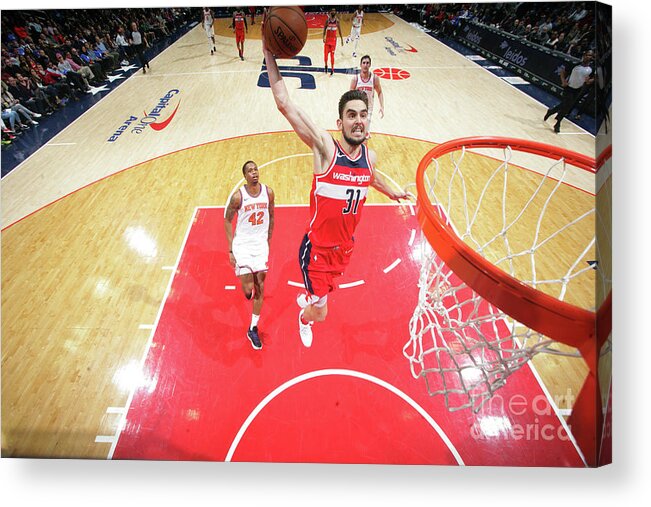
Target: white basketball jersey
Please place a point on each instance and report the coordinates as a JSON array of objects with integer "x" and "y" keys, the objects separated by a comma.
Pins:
[
  {"x": 252, "y": 229},
  {"x": 367, "y": 87},
  {"x": 207, "y": 19},
  {"x": 357, "y": 19}
]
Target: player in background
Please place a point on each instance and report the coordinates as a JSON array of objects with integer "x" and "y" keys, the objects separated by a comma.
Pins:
[
  {"x": 368, "y": 83},
  {"x": 207, "y": 20},
  {"x": 356, "y": 28},
  {"x": 342, "y": 172},
  {"x": 248, "y": 251},
  {"x": 330, "y": 30},
  {"x": 239, "y": 26}
]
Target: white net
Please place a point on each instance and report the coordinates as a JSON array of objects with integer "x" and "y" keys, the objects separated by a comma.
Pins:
[{"x": 529, "y": 224}]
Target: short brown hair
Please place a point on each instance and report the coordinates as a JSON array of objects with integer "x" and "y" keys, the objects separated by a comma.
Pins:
[{"x": 347, "y": 97}]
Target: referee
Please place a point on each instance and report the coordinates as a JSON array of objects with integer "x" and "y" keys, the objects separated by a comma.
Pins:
[
  {"x": 581, "y": 76},
  {"x": 138, "y": 42}
]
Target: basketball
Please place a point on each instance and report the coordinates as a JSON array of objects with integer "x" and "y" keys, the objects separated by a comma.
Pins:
[{"x": 285, "y": 31}]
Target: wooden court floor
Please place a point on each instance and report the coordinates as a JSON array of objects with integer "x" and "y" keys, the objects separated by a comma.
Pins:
[{"x": 91, "y": 226}]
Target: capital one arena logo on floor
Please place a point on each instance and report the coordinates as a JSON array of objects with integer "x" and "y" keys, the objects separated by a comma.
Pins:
[
  {"x": 395, "y": 47},
  {"x": 158, "y": 117}
]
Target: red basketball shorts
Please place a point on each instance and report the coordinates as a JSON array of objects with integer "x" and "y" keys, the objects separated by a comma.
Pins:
[
  {"x": 328, "y": 48},
  {"x": 239, "y": 36},
  {"x": 320, "y": 266}
]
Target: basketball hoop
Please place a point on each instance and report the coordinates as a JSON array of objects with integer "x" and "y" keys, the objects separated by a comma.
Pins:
[{"x": 509, "y": 269}]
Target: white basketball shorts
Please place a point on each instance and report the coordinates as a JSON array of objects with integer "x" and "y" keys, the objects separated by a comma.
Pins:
[{"x": 248, "y": 260}]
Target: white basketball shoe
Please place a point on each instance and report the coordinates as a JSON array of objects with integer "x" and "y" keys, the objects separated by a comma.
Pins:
[{"x": 305, "y": 331}]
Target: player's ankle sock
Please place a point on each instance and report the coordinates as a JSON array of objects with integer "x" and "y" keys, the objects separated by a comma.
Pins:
[{"x": 254, "y": 320}]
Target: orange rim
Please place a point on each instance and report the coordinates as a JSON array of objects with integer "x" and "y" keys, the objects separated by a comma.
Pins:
[{"x": 545, "y": 314}]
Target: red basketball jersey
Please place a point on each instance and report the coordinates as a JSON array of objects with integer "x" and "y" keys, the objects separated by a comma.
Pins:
[
  {"x": 331, "y": 32},
  {"x": 337, "y": 198},
  {"x": 238, "y": 20}
]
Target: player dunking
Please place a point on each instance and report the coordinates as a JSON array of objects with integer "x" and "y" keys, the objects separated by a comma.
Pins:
[
  {"x": 239, "y": 25},
  {"x": 356, "y": 28},
  {"x": 330, "y": 30},
  {"x": 249, "y": 250},
  {"x": 342, "y": 172},
  {"x": 368, "y": 83},
  {"x": 207, "y": 19}
]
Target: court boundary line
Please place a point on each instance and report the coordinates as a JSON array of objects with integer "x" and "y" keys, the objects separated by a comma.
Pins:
[
  {"x": 557, "y": 411},
  {"x": 344, "y": 373},
  {"x": 123, "y": 418}
]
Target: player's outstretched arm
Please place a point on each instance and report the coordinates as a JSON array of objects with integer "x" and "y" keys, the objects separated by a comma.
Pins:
[{"x": 316, "y": 138}]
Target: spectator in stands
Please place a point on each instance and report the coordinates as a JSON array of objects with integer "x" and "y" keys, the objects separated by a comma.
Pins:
[
  {"x": 102, "y": 49},
  {"x": 579, "y": 13},
  {"x": 75, "y": 82},
  {"x": 73, "y": 72},
  {"x": 91, "y": 58},
  {"x": 19, "y": 28},
  {"x": 123, "y": 46},
  {"x": 57, "y": 91},
  {"x": 58, "y": 38},
  {"x": 7, "y": 135},
  {"x": 552, "y": 40},
  {"x": 10, "y": 65},
  {"x": 161, "y": 24},
  {"x": 543, "y": 31},
  {"x": 13, "y": 104},
  {"x": 517, "y": 29},
  {"x": 561, "y": 43},
  {"x": 147, "y": 31},
  {"x": 34, "y": 26},
  {"x": 28, "y": 84},
  {"x": 26, "y": 96},
  {"x": 83, "y": 60},
  {"x": 14, "y": 121},
  {"x": 42, "y": 58}
]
